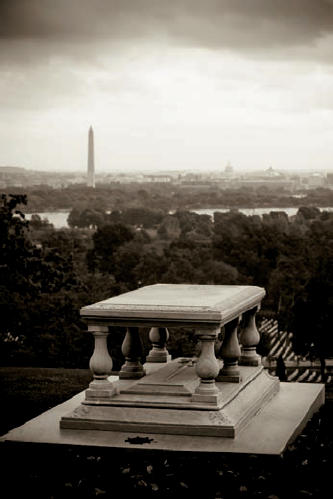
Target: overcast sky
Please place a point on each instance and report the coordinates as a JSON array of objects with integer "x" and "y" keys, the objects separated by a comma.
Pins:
[{"x": 167, "y": 84}]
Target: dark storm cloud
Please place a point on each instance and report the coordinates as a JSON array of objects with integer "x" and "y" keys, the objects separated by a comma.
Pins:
[
  {"x": 76, "y": 19},
  {"x": 256, "y": 25}
]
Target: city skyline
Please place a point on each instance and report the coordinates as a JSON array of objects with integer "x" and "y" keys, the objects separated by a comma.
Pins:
[{"x": 178, "y": 85}]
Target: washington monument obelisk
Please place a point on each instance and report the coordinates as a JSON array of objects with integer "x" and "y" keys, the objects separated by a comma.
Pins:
[{"x": 91, "y": 159}]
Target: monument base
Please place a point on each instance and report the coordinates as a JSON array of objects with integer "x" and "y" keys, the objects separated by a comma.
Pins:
[
  {"x": 166, "y": 401},
  {"x": 275, "y": 426}
]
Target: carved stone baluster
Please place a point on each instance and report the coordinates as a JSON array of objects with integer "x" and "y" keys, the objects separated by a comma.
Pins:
[
  {"x": 101, "y": 366},
  {"x": 132, "y": 351},
  {"x": 249, "y": 340},
  {"x": 159, "y": 337},
  {"x": 207, "y": 368},
  {"x": 230, "y": 353}
]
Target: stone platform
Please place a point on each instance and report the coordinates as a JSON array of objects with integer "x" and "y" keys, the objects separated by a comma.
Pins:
[
  {"x": 163, "y": 402},
  {"x": 268, "y": 433}
]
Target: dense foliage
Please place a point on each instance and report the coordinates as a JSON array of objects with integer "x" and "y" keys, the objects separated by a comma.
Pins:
[
  {"x": 48, "y": 275},
  {"x": 162, "y": 197}
]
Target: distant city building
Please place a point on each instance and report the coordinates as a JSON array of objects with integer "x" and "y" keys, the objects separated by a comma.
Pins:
[
  {"x": 316, "y": 180},
  {"x": 157, "y": 178},
  {"x": 12, "y": 175},
  {"x": 272, "y": 173},
  {"x": 330, "y": 179},
  {"x": 11, "y": 170},
  {"x": 91, "y": 159},
  {"x": 270, "y": 184},
  {"x": 229, "y": 168}
]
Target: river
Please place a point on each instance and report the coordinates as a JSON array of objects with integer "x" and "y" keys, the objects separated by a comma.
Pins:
[{"x": 59, "y": 218}]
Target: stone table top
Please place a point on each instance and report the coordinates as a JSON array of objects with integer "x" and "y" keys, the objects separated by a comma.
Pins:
[{"x": 171, "y": 304}]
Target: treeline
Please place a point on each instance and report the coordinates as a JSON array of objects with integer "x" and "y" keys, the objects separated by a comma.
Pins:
[
  {"x": 48, "y": 275},
  {"x": 165, "y": 197}
]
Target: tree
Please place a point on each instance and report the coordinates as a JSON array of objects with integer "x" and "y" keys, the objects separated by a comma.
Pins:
[
  {"x": 73, "y": 219},
  {"x": 286, "y": 286},
  {"x": 107, "y": 240},
  {"x": 308, "y": 212},
  {"x": 16, "y": 249},
  {"x": 36, "y": 222},
  {"x": 92, "y": 218},
  {"x": 203, "y": 229},
  {"x": 171, "y": 224},
  {"x": 125, "y": 261},
  {"x": 312, "y": 321},
  {"x": 216, "y": 272},
  {"x": 163, "y": 232},
  {"x": 150, "y": 268},
  {"x": 86, "y": 217},
  {"x": 37, "y": 293}
]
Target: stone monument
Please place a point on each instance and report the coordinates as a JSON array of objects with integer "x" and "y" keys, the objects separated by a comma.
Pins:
[
  {"x": 91, "y": 159},
  {"x": 216, "y": 403},
  {"x": 211, "y": 396}
]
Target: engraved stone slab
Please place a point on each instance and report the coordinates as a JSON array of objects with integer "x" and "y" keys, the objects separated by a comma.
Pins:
[
  {"x": 176, "y": 378},
  {"x": 176, "y": 303}
]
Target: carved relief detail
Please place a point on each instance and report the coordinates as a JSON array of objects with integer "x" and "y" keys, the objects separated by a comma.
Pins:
[
  {"x": 218, "y": 418},
  {"x": 80, "y": 411}
]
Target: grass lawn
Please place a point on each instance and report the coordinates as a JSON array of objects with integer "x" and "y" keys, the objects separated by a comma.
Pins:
[{"x": 26, "y": 392}]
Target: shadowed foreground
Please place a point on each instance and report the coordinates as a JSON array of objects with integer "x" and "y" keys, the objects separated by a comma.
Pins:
[{"x": 45, "y": 472}]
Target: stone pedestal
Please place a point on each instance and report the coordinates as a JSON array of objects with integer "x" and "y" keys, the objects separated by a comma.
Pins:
[
  {"x": 249, "y": 339},
  {"x": 191, "y": 405},
  {"x": 101, "y": 366},
  {"x": 207, "y": 368},
  {"x": 230, "y": 352},
  {"x": 200, "y": 397},
  {"x": 159, "y": 337},
  {"x": 268, "y": 433},
  {"x": 132, "y": 350},
  {"x": 173, "y": 399}
]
